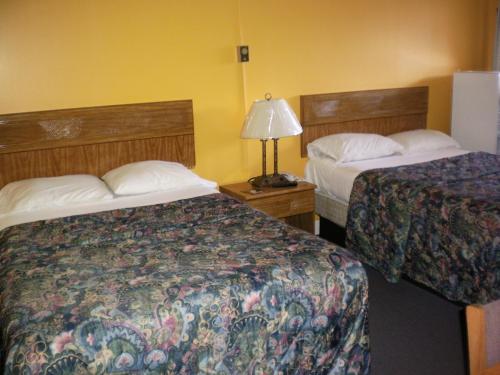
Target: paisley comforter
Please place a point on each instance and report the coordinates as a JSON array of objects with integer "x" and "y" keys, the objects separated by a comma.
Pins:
[
  {"x": 436, "y": 222},
  {"x": 200, "y": 286}
]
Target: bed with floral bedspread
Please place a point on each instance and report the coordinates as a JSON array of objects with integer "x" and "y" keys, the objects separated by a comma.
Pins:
[
  {"x": 204, "y": 285},
  {"x": 436, "y": 222}
]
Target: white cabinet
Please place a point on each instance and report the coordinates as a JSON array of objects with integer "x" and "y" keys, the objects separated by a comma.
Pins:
[{"x": 476, "y": 111}]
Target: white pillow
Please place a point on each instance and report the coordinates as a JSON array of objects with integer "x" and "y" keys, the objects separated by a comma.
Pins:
[
  {"x": 346, "y": 147},
  {"x": 150, "y": 176},
  {"x": 423, "y": 140},
  {"x": 47, "y": 192}
]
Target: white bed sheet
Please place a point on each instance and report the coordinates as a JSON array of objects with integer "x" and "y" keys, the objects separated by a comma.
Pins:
[
  {"x": 118, "y": 202},
  {"x": 336, "y": 180}
]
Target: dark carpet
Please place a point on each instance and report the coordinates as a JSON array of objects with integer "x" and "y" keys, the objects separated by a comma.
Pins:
[{"x": 413, "y": 331}]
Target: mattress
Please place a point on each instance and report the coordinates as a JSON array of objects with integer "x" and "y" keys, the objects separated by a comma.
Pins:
[
  {"x": 336, "y": 180},
  {"x": 118, "y": 202},
  {"x": 331, "y": 208},
  {"x": 198, "y": 285}
]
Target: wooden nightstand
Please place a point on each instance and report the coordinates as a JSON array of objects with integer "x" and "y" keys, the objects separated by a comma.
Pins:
[{"x": 295, "y": 204}]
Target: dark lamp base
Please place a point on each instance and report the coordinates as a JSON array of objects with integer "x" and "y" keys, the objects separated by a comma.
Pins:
[{"x": 275, "y": 180}]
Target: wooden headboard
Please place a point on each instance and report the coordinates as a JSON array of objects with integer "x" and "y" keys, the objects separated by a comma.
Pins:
[
  {"x": 94, "y": 140},
  {"x": 373, "y": 111}
]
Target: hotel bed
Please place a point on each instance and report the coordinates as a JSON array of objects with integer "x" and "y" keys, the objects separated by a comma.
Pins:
[
  {"x": 180, "y": 281},
  {"x": 432, "y": 216},
  {"x": 436, "y": 221}
]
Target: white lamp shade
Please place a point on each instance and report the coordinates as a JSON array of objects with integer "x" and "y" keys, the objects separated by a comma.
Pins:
[{"x": 270, "y": 119}]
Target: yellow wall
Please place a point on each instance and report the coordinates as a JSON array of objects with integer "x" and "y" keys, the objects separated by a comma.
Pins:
[
  {"x": 71, "y": 53},
  {"x": 489, "y": 29}
]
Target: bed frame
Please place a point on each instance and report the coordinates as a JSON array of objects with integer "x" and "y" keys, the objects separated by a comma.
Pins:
[{"x": 94, "y": 140}]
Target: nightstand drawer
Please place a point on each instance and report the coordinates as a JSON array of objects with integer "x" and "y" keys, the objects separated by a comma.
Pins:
[
  {"x": 286, "y": 204},
  {"x": 294, "y": 205}
]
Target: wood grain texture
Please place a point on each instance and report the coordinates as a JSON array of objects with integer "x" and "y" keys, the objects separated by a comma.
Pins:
[
  {"x": 294, "y": 205},
  {"x": 303, "y": 221},
  {"x": 124, "y": 134},
  {"x": 476, "y": 335},
  {"x": 476, "y": 339},
  {"x": 286, "y": 204},
  {"x": 373, "y": 111},
  {"x": 242, "y": 190},
  {"x": 91, "y": 125}
]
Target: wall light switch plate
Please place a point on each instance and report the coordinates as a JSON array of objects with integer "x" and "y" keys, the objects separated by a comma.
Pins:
[{"x": 243, "y": 53}]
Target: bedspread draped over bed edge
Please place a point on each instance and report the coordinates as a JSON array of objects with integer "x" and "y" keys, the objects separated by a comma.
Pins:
[
  {"x": 202, "y": 285},
  {"x": 436, "y": 222}
]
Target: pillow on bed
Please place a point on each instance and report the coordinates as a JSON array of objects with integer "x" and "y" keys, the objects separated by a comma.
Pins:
[
  {"x": 346, "y": 147},
  {"x": 150, "y": 176},
  {"x": 423, "y": 140},
  {"x": 47, "y": 192}
]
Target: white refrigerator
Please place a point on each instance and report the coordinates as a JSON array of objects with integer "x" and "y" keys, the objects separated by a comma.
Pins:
[{"x": 476, "y": 111}]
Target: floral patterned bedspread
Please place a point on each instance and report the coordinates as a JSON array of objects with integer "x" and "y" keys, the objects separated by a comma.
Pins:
[
  {"x": 200, "y": 286},
  {"x": 436, "y": 222}
]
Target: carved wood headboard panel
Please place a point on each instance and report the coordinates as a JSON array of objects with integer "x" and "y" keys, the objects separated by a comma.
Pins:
[
  {"x": 95, "y": 139},
  {"x": 373, "y": 111}
]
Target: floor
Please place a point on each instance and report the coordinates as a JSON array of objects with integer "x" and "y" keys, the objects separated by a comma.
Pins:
[{"x": 413, "y": 331}]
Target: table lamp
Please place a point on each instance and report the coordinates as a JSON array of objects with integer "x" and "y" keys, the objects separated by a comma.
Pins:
[{"x": 270, "y": 119}]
